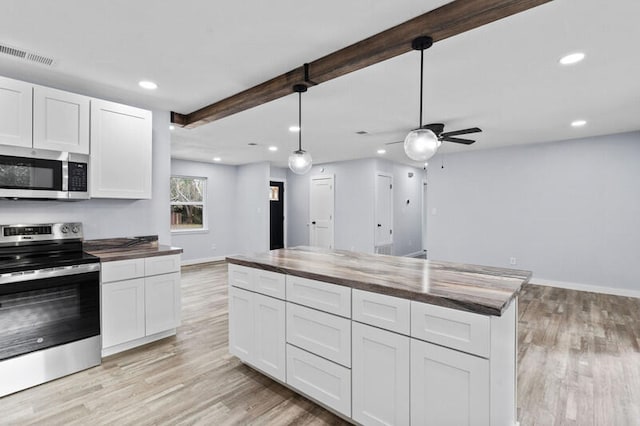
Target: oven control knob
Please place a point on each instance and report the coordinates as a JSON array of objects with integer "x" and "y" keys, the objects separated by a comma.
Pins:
[
  {"x": 64, "y": 229},
  {"x": 74, "y": 229}
]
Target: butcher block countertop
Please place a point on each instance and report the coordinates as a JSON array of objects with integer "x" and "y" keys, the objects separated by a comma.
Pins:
[
  {"x": 480, "y": 289},
  {"x": 112, "y": 249}
]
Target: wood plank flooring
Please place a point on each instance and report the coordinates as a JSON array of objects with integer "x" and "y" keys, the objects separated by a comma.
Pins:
[{"x": 579, "y": 357}]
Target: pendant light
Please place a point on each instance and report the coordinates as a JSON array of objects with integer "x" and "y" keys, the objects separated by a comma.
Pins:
[
  {"x": 300, "y": 160},
  {"x": 421, "y": 143}
]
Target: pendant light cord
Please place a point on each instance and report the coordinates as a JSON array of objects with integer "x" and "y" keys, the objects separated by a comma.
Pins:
[
  {"x": 421, "y": 78},
  {"x": 299, "y": 121}
]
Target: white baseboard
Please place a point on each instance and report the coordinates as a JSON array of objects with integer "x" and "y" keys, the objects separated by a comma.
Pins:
[
  {"x": 203, "y": 260},
  {"x": 586, "y": 287},
  {"x": 414, "y": 254}
]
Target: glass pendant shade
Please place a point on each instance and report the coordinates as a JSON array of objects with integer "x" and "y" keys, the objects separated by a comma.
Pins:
[
  {"x": 420, "y": 144},
  {"x": 300, "y": 162}
]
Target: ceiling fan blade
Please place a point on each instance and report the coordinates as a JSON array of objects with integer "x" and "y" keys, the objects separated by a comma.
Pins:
[
  {"x": 461, "y": 132},
  {"x": 392, "y": 143},
  {"x": 457, "y": 140}
]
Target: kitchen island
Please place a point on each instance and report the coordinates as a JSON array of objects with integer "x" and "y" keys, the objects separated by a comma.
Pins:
[{"x": 380, "y": 339}]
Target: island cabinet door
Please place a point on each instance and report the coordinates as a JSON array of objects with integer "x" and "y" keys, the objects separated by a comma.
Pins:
[
  {"x": 269, "y": 342},
  {"x": 380, "y": 375},
  {"x": 241, "y": 324},
  {"x": 448, "y": 387}
]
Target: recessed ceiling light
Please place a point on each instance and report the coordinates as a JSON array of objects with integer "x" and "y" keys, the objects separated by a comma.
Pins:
[
  {"x": 217, "y": 159},
  {"x": 572, "y": 58},
  {"x": 149, "y": 85},
  {"x": 294, "y": 128},
  {"x": 273, "y": 148},
  {"x": 382, "y": 151},
  {"x": 578, "y": 123},
  {"x": 172, "y": 127}
]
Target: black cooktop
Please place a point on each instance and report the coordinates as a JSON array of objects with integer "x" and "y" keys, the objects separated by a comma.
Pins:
[{"x": 25, "y": 257}]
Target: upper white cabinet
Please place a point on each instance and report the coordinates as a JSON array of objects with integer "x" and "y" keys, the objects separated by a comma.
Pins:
[
  {"x": 15, "y": 112},
  {"x": 60, "y": 120},
  {"x": 121, "y": 151},
  {"x": 43, "y": 118}
]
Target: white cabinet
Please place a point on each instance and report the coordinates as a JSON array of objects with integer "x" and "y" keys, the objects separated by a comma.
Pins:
[
  {"x": 322, "y": 380},
  {"x": 241, "y": 323},
  {"x": 60, "y": 120},
  {"x": 323, "y": 334},
  {"x": 139, "y": 305},
  {"x": 122, "y": 312},
  {"x": 121, "y": 151},
  {"x": 16, "y": 112},
  {"x": 43, "y": 118},
  {"x": 257, "y": 331},
  {"x": 161, "y": 302},
  {"x": 448, "y": 387},
  {"x": 380, "y": 376}
]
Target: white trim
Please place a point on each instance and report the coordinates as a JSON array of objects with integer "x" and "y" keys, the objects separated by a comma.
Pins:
[
  {"x": 375, "y": 209},
  {"x": 586, "y": 287},
  {"x": 203, "y": 260},
  {"x": 331, "y": 176},
  {"x": 189, "y": 231},
  {"x": 284, "y": 208},
  {"x": 414, "y": 254}
]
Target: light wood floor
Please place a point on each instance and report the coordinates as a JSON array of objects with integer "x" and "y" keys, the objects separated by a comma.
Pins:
[{"x": 579, "y": 365}]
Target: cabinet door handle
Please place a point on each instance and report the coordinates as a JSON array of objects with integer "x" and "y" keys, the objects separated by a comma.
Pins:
[
  {"x": 313, "y": 223},
  {"x": 379, "y": 226}
]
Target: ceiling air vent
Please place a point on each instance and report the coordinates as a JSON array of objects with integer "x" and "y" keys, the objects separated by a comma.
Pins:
[{"x": 25, "y": 55}]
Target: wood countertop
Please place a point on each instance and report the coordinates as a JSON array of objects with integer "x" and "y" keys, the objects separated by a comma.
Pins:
[
  {"x": 112, "y": 249},
  {"x": 481, "y": 289}
]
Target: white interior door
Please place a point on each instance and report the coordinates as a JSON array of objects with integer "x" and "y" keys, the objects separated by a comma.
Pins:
[
  {"x": 384, "y": 210},
  {"x": 321, "y": 212}
]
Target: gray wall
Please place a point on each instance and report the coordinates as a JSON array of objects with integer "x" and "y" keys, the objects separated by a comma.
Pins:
[
  {"x": 568, "y": 211},
  {"x": 355, "y": 203},
  {"x": 220, "y": 237},
  {"x": 107, "y": 218},
  {"x": 252, "y": 208}
]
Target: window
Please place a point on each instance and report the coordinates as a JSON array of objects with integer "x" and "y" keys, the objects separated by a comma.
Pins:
[{"x": 188, "y": 201}]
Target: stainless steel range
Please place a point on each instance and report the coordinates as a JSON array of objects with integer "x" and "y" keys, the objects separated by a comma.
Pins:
[{"x": 49, "y": 304}]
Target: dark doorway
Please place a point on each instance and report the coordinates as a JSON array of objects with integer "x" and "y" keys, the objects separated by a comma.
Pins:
[{"x": 276, "y": 201}]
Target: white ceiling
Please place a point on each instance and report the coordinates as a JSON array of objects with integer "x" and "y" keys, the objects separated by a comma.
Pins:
[{"x": 503, "y": 77}]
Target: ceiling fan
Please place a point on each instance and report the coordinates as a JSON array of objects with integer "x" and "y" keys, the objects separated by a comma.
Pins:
[{"x": 438, "y": 130}]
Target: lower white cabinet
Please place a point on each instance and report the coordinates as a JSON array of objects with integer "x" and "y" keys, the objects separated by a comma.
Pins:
[
  {"x": 122, "y": 312},
  {"x": 161, "y": 302},
  {"x": 322, "y": 380},
  {"x": 388, "y": 361},
  {"x": 448, "y": 387},
  {"x": 257, "y": 331},
  {"x": 138, "y": 307},
  {"x": 380, "y": 375}
]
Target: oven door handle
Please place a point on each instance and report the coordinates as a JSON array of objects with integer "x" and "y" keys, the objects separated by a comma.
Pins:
[{"x": 60, "y": 271}]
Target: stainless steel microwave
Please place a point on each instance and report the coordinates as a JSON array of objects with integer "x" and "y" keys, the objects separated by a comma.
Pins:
[{"x": 39, "y": 173}]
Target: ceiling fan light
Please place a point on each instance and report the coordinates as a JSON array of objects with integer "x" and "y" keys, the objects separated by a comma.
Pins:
[
  {"x": 300, "y": 162},
  {"x": 421, "y": 144}
]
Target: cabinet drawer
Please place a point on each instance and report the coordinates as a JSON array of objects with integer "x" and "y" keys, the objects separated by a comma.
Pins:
[
  {"x": 269, "y": 283},
  {"x": 390, "y": 313},
  {"x": 332, "y": 298},
  {"x": 322, "y": 380},
  {"x": 320, "y": 333},
  {"x": 122, "y": 270},
  {"x": 162, "y": 264},
  {"x": 240, "y": 276},
  {"x": 465, "y": 331}
]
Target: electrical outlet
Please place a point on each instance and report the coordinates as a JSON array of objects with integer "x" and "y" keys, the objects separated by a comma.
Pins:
[{"x": 512, "y": 260}]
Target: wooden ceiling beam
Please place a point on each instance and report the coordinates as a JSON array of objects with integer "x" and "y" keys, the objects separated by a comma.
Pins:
[{"x": 447, "y": 21}]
